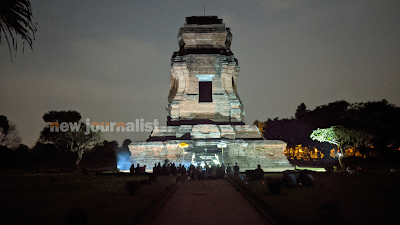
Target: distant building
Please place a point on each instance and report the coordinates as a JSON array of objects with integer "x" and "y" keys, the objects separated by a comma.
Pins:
[{"x": 205, "y": 121}]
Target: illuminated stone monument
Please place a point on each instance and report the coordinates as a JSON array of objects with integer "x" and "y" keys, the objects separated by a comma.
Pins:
[{"x": 205, "y": 121}]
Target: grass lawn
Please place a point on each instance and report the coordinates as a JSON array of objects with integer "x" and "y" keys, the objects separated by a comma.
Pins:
[
  {"x": 46, "y": 198},
  {"x": 336, "y": 198}
]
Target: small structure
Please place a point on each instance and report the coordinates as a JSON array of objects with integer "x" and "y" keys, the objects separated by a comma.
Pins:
[{"x": 205, "y": 123}]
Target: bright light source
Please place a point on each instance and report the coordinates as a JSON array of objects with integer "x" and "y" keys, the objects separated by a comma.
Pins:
[
  {"x": 222, "y": 145},
  {"x": 183, "y": 145}
]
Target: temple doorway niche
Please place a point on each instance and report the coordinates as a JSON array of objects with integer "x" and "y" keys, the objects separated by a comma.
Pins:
[
  {"x": 205, "y": 91},
  {"x": 202, "y": 155}
]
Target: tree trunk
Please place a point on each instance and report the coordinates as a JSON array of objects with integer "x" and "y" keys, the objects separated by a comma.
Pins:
[
  {"x": 80, "y": 153},
  {"x": 341, "y": 160}
]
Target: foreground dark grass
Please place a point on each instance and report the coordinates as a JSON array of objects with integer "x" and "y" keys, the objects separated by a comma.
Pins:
[
  {"x": 336, "y": 198},
  {"x": 46, "y": 198}
]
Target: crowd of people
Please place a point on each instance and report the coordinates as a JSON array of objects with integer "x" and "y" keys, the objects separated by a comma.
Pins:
[
  {"x": 169, "y": 168},
  {"x": 194, "y": 172},
  {"x": 210, "y": 172}
]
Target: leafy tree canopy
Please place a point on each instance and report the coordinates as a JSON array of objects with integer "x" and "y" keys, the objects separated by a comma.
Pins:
[
  {"x": 8, "y": 133},
  {"x": 342, "y": 137},
  {"x": 78, "y": 141}
]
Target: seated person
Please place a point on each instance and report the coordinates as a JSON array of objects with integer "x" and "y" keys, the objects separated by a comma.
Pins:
[
  {"x": 289, "y": 180},
  {"x": 142, "y": 169},
  {"x": 305, "y": 179}
]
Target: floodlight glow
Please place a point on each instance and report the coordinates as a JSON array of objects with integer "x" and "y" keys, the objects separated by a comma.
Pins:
[
  {"x": 216, "y": 161},
  {"x": 123, "y": 160},
  {"x": 222, "y": 145},
  {"x": 183, "y": 145}
]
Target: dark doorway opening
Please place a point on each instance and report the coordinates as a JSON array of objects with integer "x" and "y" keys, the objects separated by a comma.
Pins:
[{"x": 205, "y": 91}]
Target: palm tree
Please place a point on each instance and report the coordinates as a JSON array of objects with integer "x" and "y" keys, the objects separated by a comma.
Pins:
[{"x": 16, "y": 19}]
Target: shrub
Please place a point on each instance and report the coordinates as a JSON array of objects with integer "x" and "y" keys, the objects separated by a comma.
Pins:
[
  {"x": 145, "y": 182},
  {"x": 132, "y": 186},
  {"x": 329, "y": 169},
  {"x": 275, "y": 186},
  {"x": 153, "y": 177}
]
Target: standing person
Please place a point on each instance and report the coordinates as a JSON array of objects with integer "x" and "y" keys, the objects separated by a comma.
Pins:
[
  {"x": 228, "y": 169},
  {"x": 236, "y": 170},
  {"x": 259, "y": 173}
]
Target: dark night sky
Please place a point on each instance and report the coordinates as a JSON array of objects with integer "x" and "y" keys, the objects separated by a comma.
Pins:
[{"x": 109, "y": 60}]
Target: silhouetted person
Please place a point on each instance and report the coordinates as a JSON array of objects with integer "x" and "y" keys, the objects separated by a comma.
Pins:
[
  {"x": 137, "y": 169},
  {"x": 132, "y": 169},
  {"x": 236, "y": 170},
  {"x": 220, "y": 172},
  {"x": 159, "y": 169},
  {"x": 259, "y": 173},
  {"x": 142, "y": 169},
  {"x": 228, "y": 169},
  {"x": 173, "y": 169},
  {"x": 223, "y": 168},
  {"x": 213, "y": 173},
  {"x": 164, "y": 170},
  {"x": 191, "y": 171},
  {"x": 155, "y": 168},
  {"x": 183, "y": 170},
  {"x": 305, "y": 179},
  {"x": 289, "y": 180}
]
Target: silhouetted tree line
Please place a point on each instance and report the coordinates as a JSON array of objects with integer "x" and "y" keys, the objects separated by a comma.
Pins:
[
  {"x": 44, "y": 157},
  {"x": 58, "y": 150},
  {"x": 380, "y": 120}
]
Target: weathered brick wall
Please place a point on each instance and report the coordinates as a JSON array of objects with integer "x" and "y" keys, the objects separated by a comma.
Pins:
[
  {"x": 248, "y": 154},
  {"x": 186, "y": 70}
]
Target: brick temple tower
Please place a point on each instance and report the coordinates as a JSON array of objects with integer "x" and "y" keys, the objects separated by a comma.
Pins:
[
  {"x": 204, "y": 75},
  {"x": 205, "y": 121}
]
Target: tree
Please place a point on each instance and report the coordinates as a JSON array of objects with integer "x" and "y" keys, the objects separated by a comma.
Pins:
[
  {"x": 8, "y": 133},
  {"x": 329, "y": 115},
  {"x": 102, "y": 155},
  {"x": 380, "y": 119},
  {"x": 301, "y": 111},
  {"x": 126, "y": 143},
  {"x": 343, "y": 137},
  {"x": 16, "y": 20},
  {"x": 75, "y": 140}
]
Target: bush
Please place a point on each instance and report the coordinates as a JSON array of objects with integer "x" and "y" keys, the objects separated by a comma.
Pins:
[
  {"x": 145, "y": 182},
  {"x": 153, "y": 177},
  {"x": 132, "y": 186},
  {"x": 275, "y": 186},
  {"x": 329, "y": 169}
]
